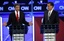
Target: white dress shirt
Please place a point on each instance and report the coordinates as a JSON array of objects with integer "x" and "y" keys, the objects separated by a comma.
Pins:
[
  {"x": 50, "y": 12},
  {"x": 18, "y": 14}
]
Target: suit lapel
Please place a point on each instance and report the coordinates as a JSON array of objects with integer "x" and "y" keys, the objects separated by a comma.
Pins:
[
  {"x": 46, "y": 15},
  {"x": 20, "y": 16},
  {"x": 14, "y": 16},
  {"x": 52, "y": 13}
]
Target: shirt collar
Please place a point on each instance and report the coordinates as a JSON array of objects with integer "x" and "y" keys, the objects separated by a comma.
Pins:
[
  {"x": 16, "y": 11},
  {"x": 51, "y": 10}
]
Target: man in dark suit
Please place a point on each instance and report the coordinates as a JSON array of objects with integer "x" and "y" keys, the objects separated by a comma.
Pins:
[
  {"x": 17, "y": 18},
  {"x": 51, "y": 16}
]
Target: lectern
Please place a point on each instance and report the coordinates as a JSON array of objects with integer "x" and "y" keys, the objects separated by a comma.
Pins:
[
  {"x": 49, "y": 31},
  {"x": 18, "y": 32}
]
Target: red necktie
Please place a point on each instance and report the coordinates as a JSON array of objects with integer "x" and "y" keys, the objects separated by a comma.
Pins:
[{"x": 17, "y": 16}]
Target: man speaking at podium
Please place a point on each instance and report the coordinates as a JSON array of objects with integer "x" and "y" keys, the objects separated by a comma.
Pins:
[
  {"x": 51, "y": 16},
  {"x": 17, "y": 17},
  {"x": 50, "y": 23}
]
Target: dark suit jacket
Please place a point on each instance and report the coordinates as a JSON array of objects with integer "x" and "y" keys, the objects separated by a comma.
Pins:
[
  {"x": 53, "y": 19},
  {"x": 17, "y": 25},
  {"x": 12, "y": 19}
]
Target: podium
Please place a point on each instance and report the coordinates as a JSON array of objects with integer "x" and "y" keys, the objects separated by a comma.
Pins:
[
  {"x": 18, "y": 32},
  {"x": 49, "y": 31}
]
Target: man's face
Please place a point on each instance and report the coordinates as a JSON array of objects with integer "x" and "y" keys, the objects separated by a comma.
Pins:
[
  {"x": 49, "y": 7},
  {"x": 17, "y": 8}
]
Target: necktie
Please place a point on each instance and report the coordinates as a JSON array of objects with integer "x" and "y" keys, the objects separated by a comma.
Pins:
[
  {"x": 17, "y": 16},
  {"x": 48, "y": 15}
]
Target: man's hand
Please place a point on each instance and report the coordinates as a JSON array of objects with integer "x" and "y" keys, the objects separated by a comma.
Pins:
[
  {"x": 30, "y": 23},
  {"x": 4, "y": 24}
]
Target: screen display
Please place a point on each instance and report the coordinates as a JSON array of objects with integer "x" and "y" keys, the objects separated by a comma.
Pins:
[{"x": 25, "y": 5}]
